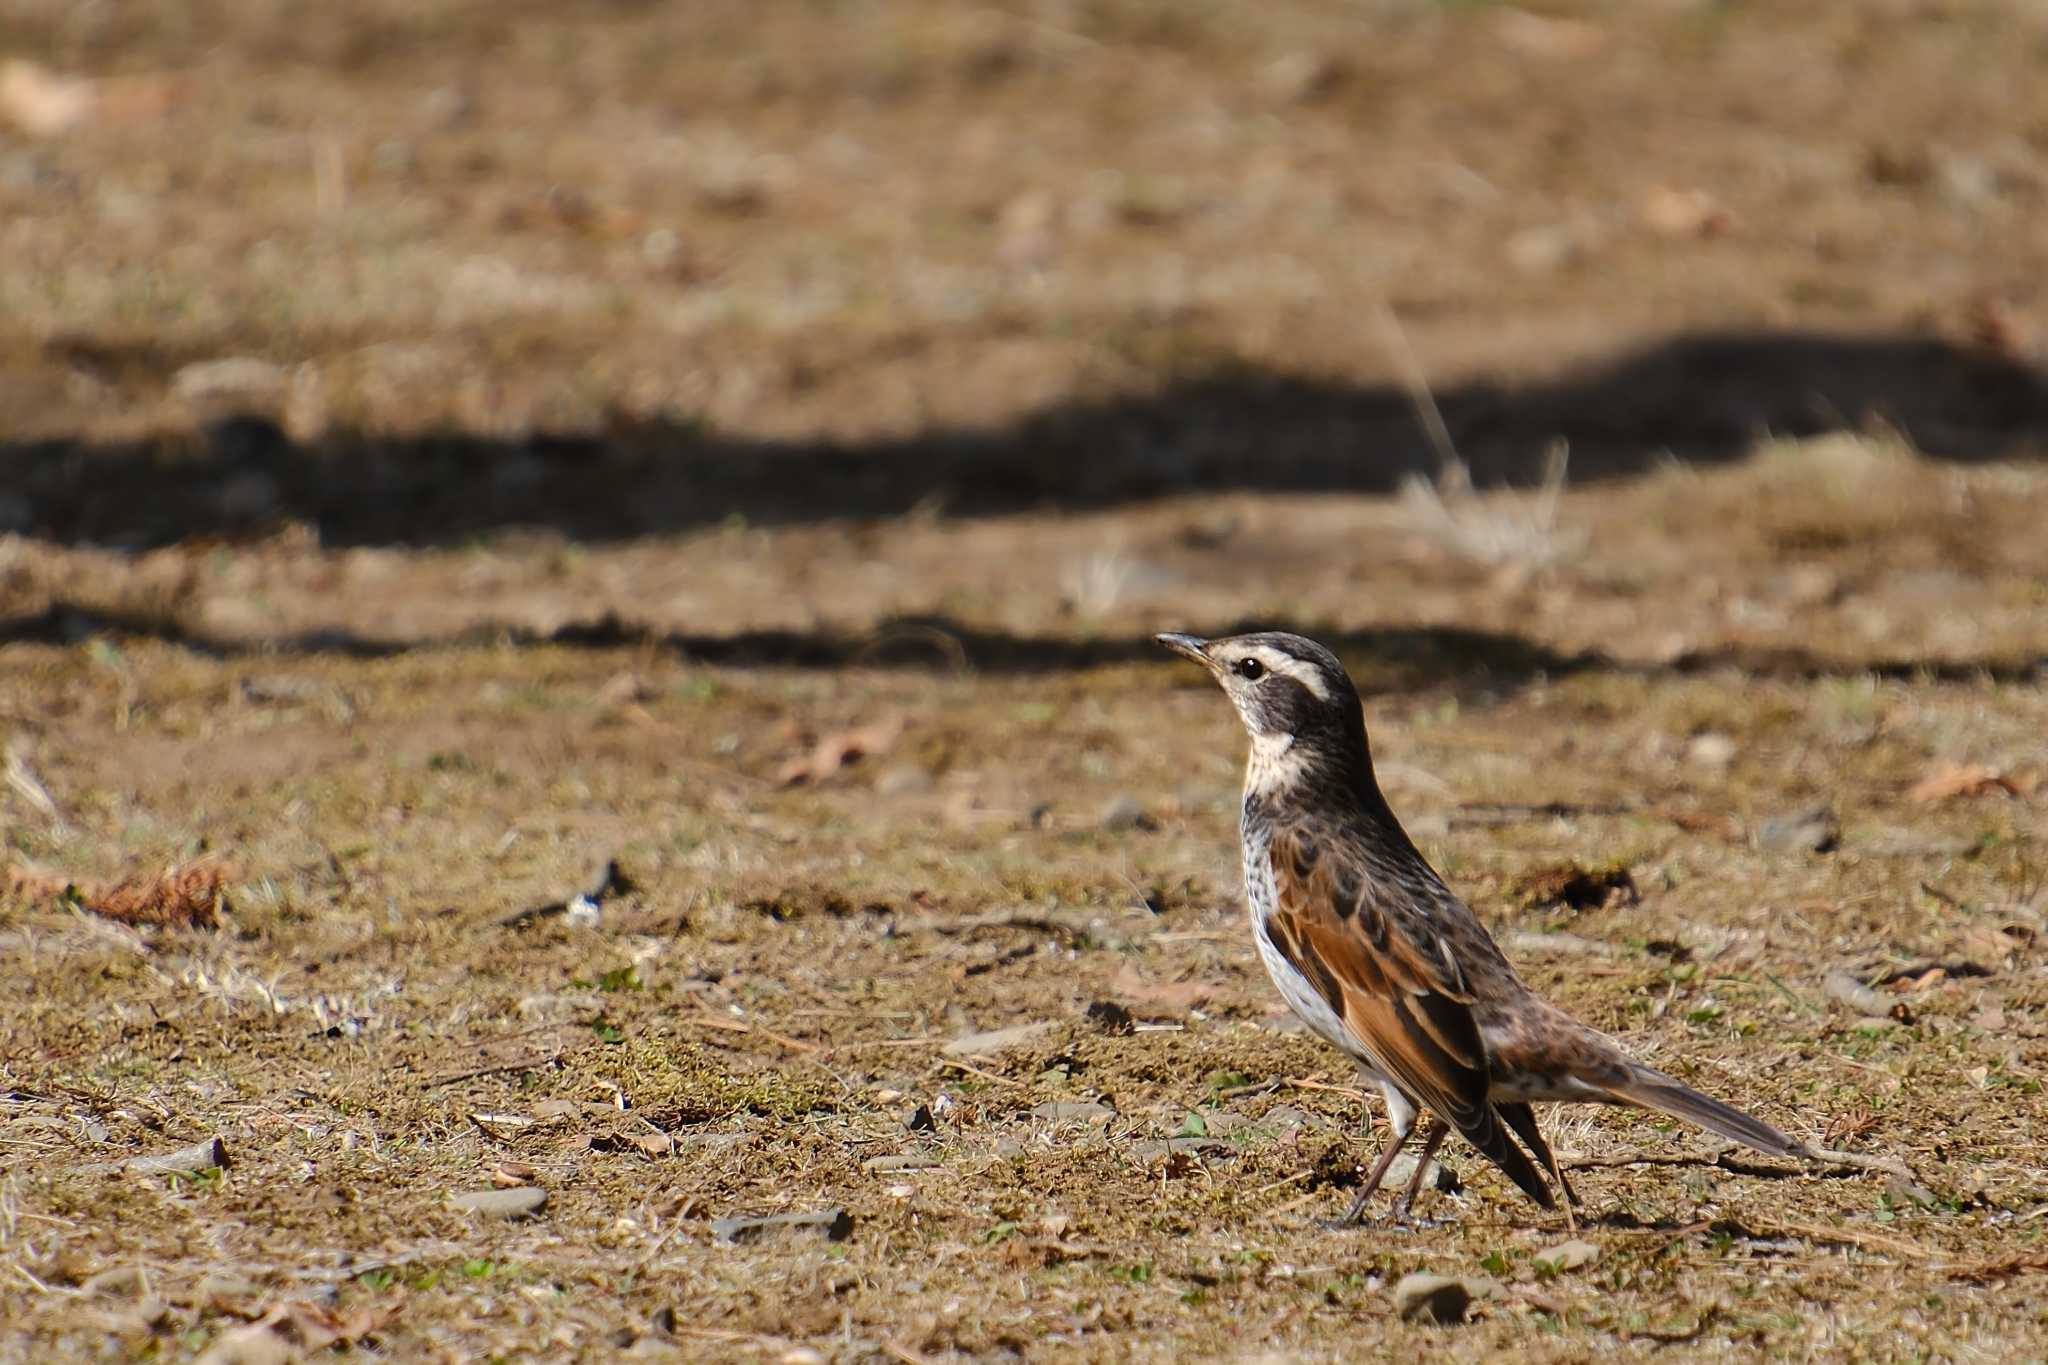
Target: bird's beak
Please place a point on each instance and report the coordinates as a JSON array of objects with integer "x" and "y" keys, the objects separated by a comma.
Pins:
[{"x": 1192, "y": 646}]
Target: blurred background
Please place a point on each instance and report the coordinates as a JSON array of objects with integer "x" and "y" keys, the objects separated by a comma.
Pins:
[{"x": 758, "y": 325}]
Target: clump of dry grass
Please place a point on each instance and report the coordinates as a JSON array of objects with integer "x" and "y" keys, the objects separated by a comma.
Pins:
[{"x": 1501, "y": 528}]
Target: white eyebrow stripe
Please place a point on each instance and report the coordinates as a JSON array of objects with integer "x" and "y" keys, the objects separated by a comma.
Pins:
[{"x": 1303, "y": 672}]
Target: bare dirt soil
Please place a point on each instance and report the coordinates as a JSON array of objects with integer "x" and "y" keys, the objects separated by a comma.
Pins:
[{"x": 449, "y": 446}]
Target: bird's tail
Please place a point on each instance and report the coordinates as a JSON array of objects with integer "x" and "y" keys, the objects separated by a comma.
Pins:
[
  {"x": 1492, "y": 1139},
  {"x": 1647, "y": 1088}
]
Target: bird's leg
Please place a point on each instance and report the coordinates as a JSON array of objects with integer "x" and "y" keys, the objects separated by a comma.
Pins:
[
  {"x": 1431, "y": 1140},
  {"x": 1571, "y": 1221},
  {"x": 1397, "y": 1138}
]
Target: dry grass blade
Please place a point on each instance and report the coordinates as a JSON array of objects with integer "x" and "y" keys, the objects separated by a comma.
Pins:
[{"x": 30, "y": 788}]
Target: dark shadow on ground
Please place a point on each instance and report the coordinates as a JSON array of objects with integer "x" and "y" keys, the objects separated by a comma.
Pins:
[
  {"x": 1700, "y": 399},
  {"x": 1385, "y": 660}
]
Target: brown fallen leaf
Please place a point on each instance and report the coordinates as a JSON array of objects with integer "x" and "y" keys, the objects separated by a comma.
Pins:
[
  {"x": 1848, "y": 1126},
  {"x": 1947, "y": 780},
  {"x": 182, "y": 896},
  {"x": 302, "y": 1325},
  {"x": 841, "y": 749}
]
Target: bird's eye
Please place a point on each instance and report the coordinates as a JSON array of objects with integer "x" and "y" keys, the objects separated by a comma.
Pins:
[{"x": 1251, "y": 670}]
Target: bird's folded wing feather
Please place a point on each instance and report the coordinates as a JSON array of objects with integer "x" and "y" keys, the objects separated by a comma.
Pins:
[{"x": 1395, "y": 984}]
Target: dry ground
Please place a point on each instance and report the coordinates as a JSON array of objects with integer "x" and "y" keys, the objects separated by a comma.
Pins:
[{"x": 630, "y": 407}]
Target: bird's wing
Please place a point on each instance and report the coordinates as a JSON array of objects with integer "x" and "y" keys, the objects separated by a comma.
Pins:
[{"x": 1392, "y": 980}]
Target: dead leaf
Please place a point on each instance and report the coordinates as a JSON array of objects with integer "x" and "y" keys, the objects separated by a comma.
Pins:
[
  {"x": 508, "y": 1175},
  {"x": 1989, "y": 1272},
  {"x": 653, "y": 1144},
  {"x": 1923, "y": 981},
  {"x": 1847, "y": 1127},
  {"x": 187, "y": 896},
  {"x": 1947, "y": 780},
  {"x": 302, "y": 1325},
  {"x": 841, "y": 749}
]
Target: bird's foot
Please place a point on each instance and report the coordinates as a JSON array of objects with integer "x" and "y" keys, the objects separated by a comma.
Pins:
[{"x": 1398, "y": 1217}]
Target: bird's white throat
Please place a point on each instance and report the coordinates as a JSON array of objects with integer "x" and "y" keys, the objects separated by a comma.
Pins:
[{"x": 1274, "y": 765}]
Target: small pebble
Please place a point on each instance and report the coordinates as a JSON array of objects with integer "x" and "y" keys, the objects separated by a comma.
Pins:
[
  {"x": 1421, "y": 1297},
  {"x": 521, "y": 1201}
]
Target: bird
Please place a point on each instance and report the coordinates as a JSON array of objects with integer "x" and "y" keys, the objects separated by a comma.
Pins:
[{"x": 1378, "y": 956}]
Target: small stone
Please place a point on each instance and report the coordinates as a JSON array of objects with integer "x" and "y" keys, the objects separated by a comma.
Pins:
[
  {"x": 801, "y": 1355},
  {"x": 835, "y": 1224},
  {"x": 1123, "y": 814},
  {"x": 210, "y": 1155},
  {"x": 1421, "y": 1297},
  {"x": 1302, "y": 77},
  {"x": 1711, "y": 750},
  {"x": 901, "y": 1161},
  {"x": 1572, "y": 1255},
  {"x": 995, "y": 1040},
  {"x": 1903, "y": 1191},
  {"x": 1441, "y": 1177},
  {"x": 1840, "y": 985},
  {"x": 1062, "y": 1112},
  {"x": 904, "y": 779},
  {"x": 1812, "y": 831},
  {"x": 521, "y": 1201}
]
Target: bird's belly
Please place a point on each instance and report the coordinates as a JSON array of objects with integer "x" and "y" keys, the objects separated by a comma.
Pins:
[{"x": 1301, "y": 996}]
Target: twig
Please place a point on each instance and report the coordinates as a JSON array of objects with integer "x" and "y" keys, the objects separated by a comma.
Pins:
[
  {"x": 972, "y": 1070},
  {"x": 1449, "y": 464},
  {"x": 1040, "y": 921},
  {"x": 524, "y": 1064},
  {"x": 1348, "y": 1091},
  {"x": 1238, "y": 1092},
  {"x": 1282, "y": 1184},
  {"x": 1858, "y": 1162},
  {"x": 1842, "y": 1236},
  {"x": 905, "y": 1354},
  {"x": 30, "y": 788},
  {"x": 741, "y": 1026}
]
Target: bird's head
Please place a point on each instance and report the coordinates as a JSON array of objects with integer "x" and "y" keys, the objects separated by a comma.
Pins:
[{"x": 1293, "y": 696}]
